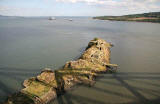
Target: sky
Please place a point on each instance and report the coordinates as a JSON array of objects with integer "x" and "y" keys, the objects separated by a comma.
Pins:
[{"x": 76, "y": 7}]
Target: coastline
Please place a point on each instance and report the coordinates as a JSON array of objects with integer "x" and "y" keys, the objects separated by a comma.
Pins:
[
  {"x": 147, "y": 21},
  {"x": 153, "y": 17}
]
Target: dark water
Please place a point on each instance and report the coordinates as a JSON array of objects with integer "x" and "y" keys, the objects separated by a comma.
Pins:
[{"x": 27, "y": 45}]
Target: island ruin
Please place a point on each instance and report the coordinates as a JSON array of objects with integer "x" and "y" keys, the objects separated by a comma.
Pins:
[{"x": 49, "y": 84}]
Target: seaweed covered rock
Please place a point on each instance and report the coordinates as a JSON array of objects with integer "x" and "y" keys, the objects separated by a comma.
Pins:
[
  {"x": 85, "y": 65},
  {"x": 71, "y": 80},
  {"x": 42, "y": 87},
  {"x": 67, "y": 78},
  {"x": 47, "y": 76},
  {"x": 97, "y": 52},
  {"x": 39, "y": 91},
  {"x": 48, "y": 84}
]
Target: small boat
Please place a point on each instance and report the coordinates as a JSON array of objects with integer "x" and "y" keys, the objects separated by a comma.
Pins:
[
  {"x": 70, "y": 19},
  {"x": 52, "y": 18}
]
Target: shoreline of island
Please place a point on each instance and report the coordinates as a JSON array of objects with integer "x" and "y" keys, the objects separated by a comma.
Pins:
[{"x": 153, "y": 17}]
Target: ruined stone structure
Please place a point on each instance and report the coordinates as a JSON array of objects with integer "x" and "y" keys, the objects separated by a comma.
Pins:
[{"x": 48, "y": 84}]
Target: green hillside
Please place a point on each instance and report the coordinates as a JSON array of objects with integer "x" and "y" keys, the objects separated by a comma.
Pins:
[{"x": 145, "y": 17}]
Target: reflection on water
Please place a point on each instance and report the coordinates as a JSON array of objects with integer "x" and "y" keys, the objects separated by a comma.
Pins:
[
  {"x": 28, "y": 45},
  {"x": 119, "y": 88}
]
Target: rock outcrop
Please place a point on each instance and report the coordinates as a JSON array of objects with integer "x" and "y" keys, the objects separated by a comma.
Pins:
[{"x": 48, "y": 84}]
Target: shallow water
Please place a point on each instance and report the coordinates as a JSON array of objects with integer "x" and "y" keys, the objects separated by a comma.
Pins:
[{"x": 27, "y": 45}]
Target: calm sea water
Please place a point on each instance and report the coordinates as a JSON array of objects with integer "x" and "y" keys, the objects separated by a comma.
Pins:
[{"x": 27, "y": 45}]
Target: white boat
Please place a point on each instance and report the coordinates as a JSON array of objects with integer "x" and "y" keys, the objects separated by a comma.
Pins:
[
  {"x": 70, "y": 19},
  {"x": 52, "y": 18}
]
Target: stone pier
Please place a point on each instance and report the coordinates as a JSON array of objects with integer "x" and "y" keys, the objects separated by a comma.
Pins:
[{"x": 48, "y": 84}]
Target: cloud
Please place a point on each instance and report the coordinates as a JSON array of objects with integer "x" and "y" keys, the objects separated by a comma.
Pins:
[
  {"x": 89, "y": 1},
  {"x": 20, "y": 11},
  {"x": 110, "y": 1},
  {"x": 80, "y": 7},
  {"x": 116, "y": 2},
  {"x": 129, "y": 6}
]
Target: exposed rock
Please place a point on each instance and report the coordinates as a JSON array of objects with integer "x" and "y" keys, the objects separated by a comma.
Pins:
[
  {"x": 47, "y": 76},
  {"x": 86, "y": 65},
  {"x": 39, "y": 91},
  {"x": 71, "y": 80},
  {"x": 48, "y": 84},
  {"x": 67, "y": 78},
  {"x": 27, "y": 82},
  {"x": 112, "y": 67},
  {"x": 97, "y": 52},
  {"x": 99, "y": 43}
]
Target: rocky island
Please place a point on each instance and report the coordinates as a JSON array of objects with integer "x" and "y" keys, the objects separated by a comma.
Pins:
[
  {"x": 145, "y": 17},
  {"x": 49, "y": 84}
]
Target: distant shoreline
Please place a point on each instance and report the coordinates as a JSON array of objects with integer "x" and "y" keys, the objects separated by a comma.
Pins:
[{"x": 145, "y": 17}]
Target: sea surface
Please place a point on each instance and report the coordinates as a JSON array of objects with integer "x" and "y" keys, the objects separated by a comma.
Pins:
[{"x": 27, "y": 45}]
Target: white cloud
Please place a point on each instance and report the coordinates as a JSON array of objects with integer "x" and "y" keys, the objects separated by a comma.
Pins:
[
  {"x": 86, "y": 7},
  {"x": 126, "y": 6},
  {"x": 17, "y": 11}
]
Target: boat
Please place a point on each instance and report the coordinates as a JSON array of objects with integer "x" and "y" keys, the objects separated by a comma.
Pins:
[
  {"x": 52, "y": 18},
  {"x": 70, "y": 19}
]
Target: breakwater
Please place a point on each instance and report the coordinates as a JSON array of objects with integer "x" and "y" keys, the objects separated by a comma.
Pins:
[{"x": 48, "y": 84}]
